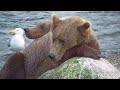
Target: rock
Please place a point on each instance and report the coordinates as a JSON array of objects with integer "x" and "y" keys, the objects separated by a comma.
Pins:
[{"x": 83, "y": 68}]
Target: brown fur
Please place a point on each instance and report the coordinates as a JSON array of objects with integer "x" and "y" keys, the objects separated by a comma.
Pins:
[
  {"x": 79, "y": 51},
  {"x": 14, "y": 67},
  {"x": 71, "y": 32},
  {"x": 37, "y": 60},
  {"x": 34, "y": 60},
  {"x": 34, "y": 63},
  {"x": 39, "y": 30}
]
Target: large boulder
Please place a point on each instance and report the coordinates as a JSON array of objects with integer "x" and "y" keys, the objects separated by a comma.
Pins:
[{"x": 83, "y": 68}]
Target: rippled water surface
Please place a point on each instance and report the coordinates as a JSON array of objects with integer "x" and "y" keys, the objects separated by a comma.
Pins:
[{"x": 105, "y": 24}]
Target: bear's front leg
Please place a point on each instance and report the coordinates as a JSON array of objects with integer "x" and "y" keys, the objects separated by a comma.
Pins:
[{"x": 86, "y": 51}]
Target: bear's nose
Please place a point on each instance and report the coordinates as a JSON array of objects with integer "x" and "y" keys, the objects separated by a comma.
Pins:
[
  {"x": 26, "y": 29},
  {"x": 51, "y": 56}
]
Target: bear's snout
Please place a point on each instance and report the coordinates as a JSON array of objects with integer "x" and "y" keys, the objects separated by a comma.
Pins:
[
  {"x": 26, "y": 29},
  {"x": 27, "y": 33},
  {"x": 51, "y": 56}
]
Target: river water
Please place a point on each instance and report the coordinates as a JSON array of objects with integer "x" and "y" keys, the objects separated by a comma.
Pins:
[{"x": 106, "y": 25}]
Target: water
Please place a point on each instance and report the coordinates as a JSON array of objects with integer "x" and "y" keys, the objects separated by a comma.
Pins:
[{"x": 105, "y": 24}]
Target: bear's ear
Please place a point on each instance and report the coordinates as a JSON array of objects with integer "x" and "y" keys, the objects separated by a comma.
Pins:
[
  {"x": 55, "y": 21},
  {"x": 55, "y": 18},
  {"x": 85, "y": 26}
]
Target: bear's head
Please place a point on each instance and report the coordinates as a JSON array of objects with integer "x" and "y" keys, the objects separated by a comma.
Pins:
[
  {"x": 38, "y": 31},
  {"x": 67, "y": 32}
]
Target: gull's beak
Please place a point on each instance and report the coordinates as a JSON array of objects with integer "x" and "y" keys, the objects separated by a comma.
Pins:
[{"x": 11, "y": 32}]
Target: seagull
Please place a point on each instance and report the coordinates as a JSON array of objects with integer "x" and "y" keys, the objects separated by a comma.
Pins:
[{"x": 17, "y": 42}]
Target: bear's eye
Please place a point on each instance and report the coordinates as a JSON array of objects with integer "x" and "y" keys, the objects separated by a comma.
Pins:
[
  {"x": 61, "y": 41},
  {"x": 53, "y": 39}
]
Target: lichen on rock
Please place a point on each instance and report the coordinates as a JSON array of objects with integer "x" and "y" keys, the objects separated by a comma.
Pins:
[{"x": 83, "y": 68}]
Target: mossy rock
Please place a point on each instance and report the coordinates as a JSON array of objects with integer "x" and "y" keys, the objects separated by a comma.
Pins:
[{"x": 83, "y": 68}]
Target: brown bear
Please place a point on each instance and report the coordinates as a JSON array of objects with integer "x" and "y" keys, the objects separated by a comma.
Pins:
[
  {"x": 73, "y": 36},
  {"x": 33, "y": 60},
  {"x": 39, "y": 30},
  {"x": 14, "y": 67}
]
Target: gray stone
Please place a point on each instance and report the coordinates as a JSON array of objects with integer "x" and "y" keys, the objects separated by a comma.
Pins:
[{"x": 83, "y": 68}]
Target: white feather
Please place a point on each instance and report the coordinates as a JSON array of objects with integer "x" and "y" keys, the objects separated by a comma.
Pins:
[{"x": 17, "y": 42}]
